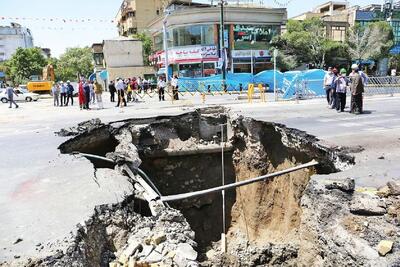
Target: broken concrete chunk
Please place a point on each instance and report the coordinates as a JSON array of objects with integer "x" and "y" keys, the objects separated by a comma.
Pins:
[
  {"x": 394, "y": 188},
  {"x": 154, "y": 257},
  {"x": 363, "y": 204},
  {"x": 383, "y": 191},
  {"x": 132, "y": 262},
  {"x": 346, "y": 185},
  {"x": 147, "y": 249},
  {"x": 158, "y": 238},
  {"x": 129, "y": 251},
  {"x": 113, "y": 264},
  {"x": 186, "y": 251},
  {"x": 384, "y": 247}
]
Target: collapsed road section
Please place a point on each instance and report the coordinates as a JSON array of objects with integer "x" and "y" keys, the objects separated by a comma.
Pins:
[{"x": 290, "y": 219}]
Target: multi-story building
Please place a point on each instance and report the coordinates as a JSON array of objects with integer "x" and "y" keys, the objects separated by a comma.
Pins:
[
  {"x": 134, "y": 15},
  {"x": 335, "y": 15},
  {"x": 120, "y": 57},
  {"x": 338, "y": 17},
  {"x": 193, "y": 38},
  {"x": 13, "y": 37}
]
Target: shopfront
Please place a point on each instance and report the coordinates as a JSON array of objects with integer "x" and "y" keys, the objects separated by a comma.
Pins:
[
  {"x": 250, "y": 61},
  {"x": 190, "y": 61}
]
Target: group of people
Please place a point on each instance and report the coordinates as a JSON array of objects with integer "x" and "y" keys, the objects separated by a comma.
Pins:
[
  {"x": 90, "y": 92},
  {"x": 62, "y": 93},
  {"x": 336, "y": 84},
  {"x": 132, "y": 87}
]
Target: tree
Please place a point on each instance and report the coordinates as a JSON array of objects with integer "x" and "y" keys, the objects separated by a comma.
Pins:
[
  {"x": 147, "y": 45},
  {"x": 73, "y": 62},
  {"x": 370, "y": 42},
  {"x": 24, "y": 63},
  {"x": 307, "y": 42}
]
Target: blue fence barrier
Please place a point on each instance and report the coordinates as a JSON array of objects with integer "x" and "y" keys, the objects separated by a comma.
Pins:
[{"x": 288, "y": 83}]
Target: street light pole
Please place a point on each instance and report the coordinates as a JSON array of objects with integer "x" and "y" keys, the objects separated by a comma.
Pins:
[
  {"x": 222, "y": 43},
  {"x": 275, "y": 55},
  {"x": 165, "y": 44}
]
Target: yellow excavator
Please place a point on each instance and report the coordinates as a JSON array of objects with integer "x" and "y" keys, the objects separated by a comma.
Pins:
[{"x": 45, "y": 84}]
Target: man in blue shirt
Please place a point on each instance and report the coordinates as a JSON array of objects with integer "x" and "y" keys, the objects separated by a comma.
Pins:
[{"x": 70, "y": 93}]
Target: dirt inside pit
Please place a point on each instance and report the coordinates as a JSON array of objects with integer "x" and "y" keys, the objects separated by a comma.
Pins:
[{"x": 183, "y": 154}]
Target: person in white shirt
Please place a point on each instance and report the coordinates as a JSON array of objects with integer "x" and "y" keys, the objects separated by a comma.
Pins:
[
  {"x": 161, "y": 88},
  {"x": 120, "y": 86},
  {"x": 328, "y": 79},
  {"x": 174, "y": 84}
]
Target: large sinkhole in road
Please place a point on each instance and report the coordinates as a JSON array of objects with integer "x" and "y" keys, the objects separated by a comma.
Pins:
[{"x": 183, "y": 154}]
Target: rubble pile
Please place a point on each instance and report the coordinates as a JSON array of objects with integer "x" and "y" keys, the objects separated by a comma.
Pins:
[
  {"x": 342, "y": 225},
  {"x": 116, "y": 235}
]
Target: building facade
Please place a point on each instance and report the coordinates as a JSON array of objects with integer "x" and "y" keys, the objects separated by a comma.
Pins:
[
  {"x": 193, "y": 38},
  {"x": 120, "y": 57},
  {"x": 134, "y": 15},
  {"x": 13, "y": 37},
  {"x": 338, "y": 17}
]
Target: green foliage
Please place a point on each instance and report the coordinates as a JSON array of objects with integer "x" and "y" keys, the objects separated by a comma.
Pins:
[
  {"x": 147, "y": 46},
  {"x": 394, "y": 62},
  {"x": 73, "y": 62},
  {"x": 372, "y": 41},
  {"x": 24, "y": 63},
  {"x": 306, "y": 41}
]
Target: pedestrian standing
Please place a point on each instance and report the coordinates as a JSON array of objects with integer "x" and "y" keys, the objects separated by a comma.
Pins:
[
  {"x": 92, "y": 94},
  {"x": 333, "y": 89},
  {"x": 134, "y": 87},
  {"x": 81, "y": 95},
  {"x": 129, "y": 91},
  {"x": 112, "y": 89},
  {"x": 328, "y": 79},
  {"x": 56, "y": 94},
  {"x": 70, "y": 93},
  {"x": 86, "y": 89},
  {"x": 357, "y": 90},
  {"x": 174, "y": 84},
  {"x": 140, "y": 84},
  {"x": 161, "y": 89},
  {"x": 10, "y": 95},
  {"x": 145, "y": 85},
  {"x": 340, "y": 86},
  {"x": 63, "y": 90},
  {"x": 98, "y": 90},
  {"x": 120, "y": 92}
]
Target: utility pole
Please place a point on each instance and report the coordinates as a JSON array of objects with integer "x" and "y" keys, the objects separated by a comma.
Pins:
[
  {"x": 223, "y": 235},
  {"x": 165, "y": 44},
  {"x": 222, "y": 44},
  {"x": 275, "y": 55}
]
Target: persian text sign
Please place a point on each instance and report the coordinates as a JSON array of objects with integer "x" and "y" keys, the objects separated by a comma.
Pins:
[
  {"x": 250, "y": 53},
  {"x": 187, "y": 54}
]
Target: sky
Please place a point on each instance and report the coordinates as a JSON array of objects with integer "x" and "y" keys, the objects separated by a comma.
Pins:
[{"x": 57, "y": 24}]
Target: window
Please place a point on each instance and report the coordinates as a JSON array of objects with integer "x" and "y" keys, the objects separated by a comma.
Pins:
[
  {"x": 257, "y": 37},
  {"x": 131, "y": 14},
  {"x": 338, "y": 33},
  {"x": 158, "y": 42},
  {"x": 132, "y": 30},
  {"x": 193, "y": 35},
  {"x": 98, "y": 59},
  {"x": 158, "y": 12}
]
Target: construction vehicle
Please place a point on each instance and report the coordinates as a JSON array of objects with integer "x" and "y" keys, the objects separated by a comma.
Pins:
[{"x": 45, "y": 84}]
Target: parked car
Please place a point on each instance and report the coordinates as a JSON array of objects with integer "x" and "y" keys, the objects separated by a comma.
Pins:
[{"x": 23, "y": 95}]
